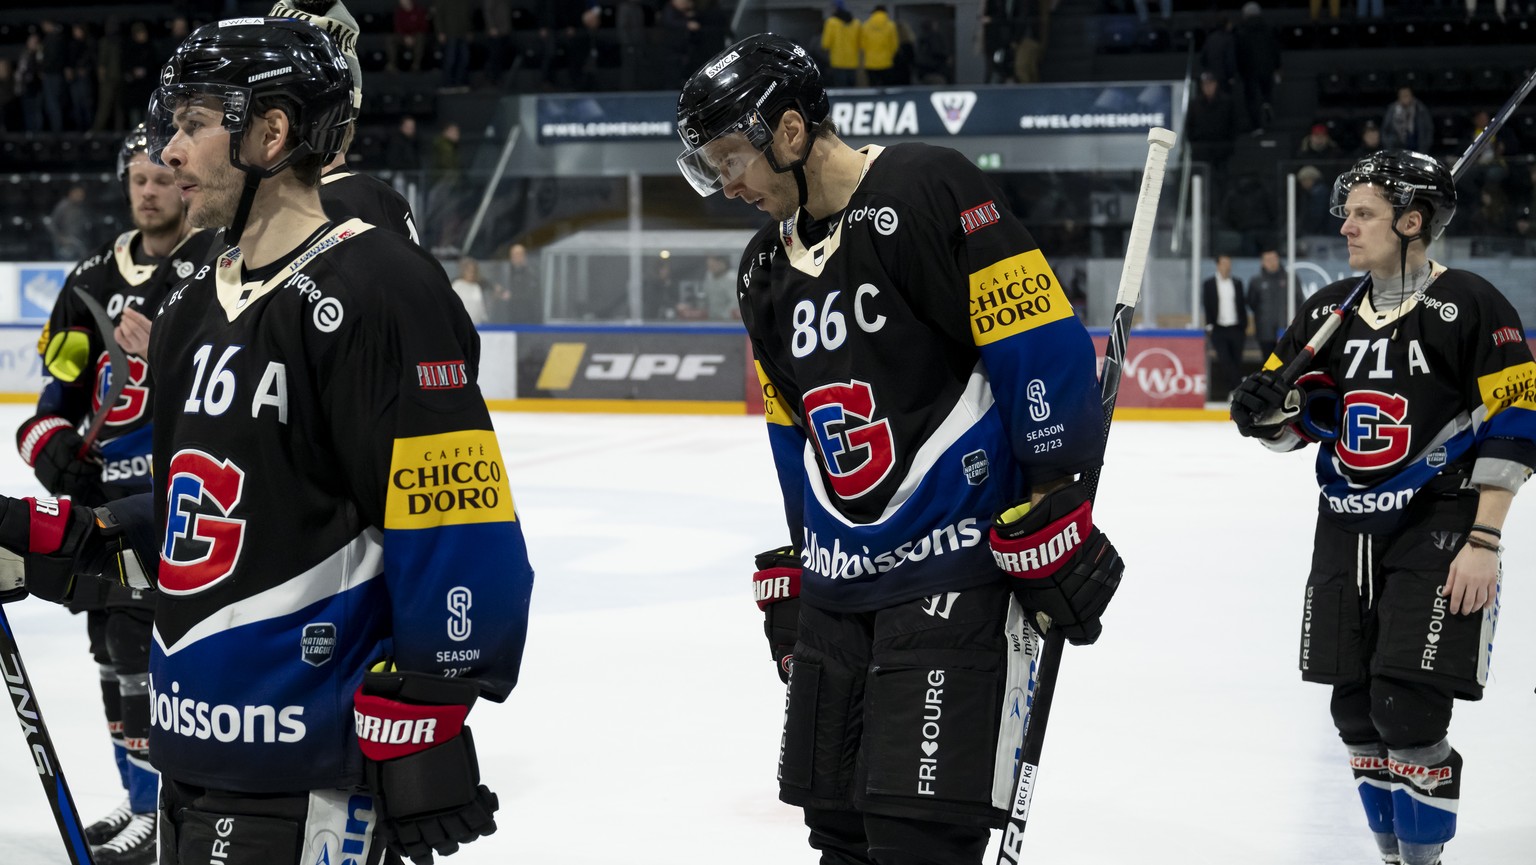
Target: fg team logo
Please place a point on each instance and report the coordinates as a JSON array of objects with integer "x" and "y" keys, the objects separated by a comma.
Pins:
[
  {"x": 135, "y": 398},
  {"x": 857, "y": 450},
  {"x": 1374, "y": 434},
  {"x": 202, "y": 542}
]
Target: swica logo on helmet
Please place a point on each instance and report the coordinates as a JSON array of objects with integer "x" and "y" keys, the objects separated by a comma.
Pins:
[{"x": 716, "y": 67}]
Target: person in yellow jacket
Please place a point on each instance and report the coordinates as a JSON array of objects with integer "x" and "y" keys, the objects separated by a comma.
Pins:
[
  {"x": 879, "y": 40},
  {"x": 840, "y": 39}
]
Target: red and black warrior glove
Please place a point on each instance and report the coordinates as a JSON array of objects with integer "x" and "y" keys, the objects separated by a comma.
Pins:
[
  {"x": 1062, "y": 565},
  {"x": 51, "y": 446},
  {"x": 44, "y": 543},
  {"x": 420, "y": 762},
  {"x": 776, "y": 585}
]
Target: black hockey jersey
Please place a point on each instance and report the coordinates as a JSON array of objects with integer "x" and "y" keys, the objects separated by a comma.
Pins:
[
  {"x": 921, "y": 370},
  {"x": 329, "y": 491},
  {"x": 349, "y": 195},
  {"x": 1431, "y": 387},
  {"x": 118, "y": 276}
]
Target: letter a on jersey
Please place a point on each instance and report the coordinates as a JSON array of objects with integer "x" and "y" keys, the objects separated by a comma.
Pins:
[
  {"x": 857, "y": 450},
  {"x": 202, "y": 542}
]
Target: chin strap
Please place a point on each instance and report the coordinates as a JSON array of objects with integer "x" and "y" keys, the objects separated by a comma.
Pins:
[
  {"x": 798, "y": 166},
  {"x": 243, "y": 209}
]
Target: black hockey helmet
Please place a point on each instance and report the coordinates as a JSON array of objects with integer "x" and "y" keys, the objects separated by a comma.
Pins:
[
  {"x": 242, "y": 61},
  {"x": 744, "y": 90},
  {"x": 1404, "y": 177},
  {"x": 134, "y": 143}
]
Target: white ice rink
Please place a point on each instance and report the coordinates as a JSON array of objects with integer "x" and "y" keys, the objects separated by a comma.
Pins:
[{"x": 646, "y": 726}]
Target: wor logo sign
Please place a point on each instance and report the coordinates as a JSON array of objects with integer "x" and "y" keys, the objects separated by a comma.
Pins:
[
  {"x": 202, "y": 541},
  {"x": 857, "y": 450}
]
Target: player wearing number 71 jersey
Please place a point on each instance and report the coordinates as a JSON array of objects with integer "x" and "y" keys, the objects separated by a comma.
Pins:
[{"x": 930, "y": 398}]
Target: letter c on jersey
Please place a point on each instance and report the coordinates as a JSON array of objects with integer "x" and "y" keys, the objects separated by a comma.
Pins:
[
  {"x": 857, "y": 451},
  {"x": 1373, "y": 434},
  {"x": 202, "y": 543}
]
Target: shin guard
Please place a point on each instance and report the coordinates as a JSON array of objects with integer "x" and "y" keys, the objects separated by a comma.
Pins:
[
  {"x": 1374, "y": 782},
  {"x": 1426, "y": 787},
  {"x": 112, "y": 701},
  {"x": 143, "y": 782}
]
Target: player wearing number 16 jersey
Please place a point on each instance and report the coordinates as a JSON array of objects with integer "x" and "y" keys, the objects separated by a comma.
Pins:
[
  {"x": 1423, "y": 408},
  {"x": 931, "y": 398}
]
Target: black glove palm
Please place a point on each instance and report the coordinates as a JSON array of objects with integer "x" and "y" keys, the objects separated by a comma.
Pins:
[{"x": 1264, "y": 404}]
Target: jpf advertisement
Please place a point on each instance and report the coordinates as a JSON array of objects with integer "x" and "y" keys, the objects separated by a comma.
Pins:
[
  {"x": 638, "y": 364},
  {"x": 1163, "y": 369},
  {"x": 1041, "y": 109}
]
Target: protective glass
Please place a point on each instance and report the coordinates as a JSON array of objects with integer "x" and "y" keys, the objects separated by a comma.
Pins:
[
  {"x": 1399, "y": 193},
  {"x": 710, "y": 166},
  {"x": 194, "y": 111}
]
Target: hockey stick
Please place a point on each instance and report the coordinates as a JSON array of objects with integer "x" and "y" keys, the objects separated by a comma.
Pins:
[
  {"x": 41, "y": 745},
  {"x": 120, "y": 374},
  {"x": 1159, "y": 142},
  {"x": 1298, "y": 365}
]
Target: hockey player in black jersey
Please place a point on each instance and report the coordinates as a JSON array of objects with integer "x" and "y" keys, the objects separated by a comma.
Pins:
[
  {"x": 931, "y": 400},
  {"x": 339, "y": 569},
  {"x": 127, "y": 278},
  {"x": 1423, "y": 408}
]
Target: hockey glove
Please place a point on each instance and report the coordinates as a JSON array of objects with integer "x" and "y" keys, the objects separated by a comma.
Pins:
[
  {"x": 50, "y": 445},
  {"x": 1062, "y": 565},
  {"x": 42, "y": 542},
  {"x": 1264, "y": 404},
  {"x": 420, "y": 762},
  {"x": 776, "y": 585}
]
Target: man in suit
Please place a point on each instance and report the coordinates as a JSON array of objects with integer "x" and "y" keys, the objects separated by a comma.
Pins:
[{"x": 1226, "y": 326}]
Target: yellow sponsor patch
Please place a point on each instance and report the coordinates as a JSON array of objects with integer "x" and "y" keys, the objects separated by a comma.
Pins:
[
  {"x": 1014, "y": 295},
  {"x": 447, "y": 479},
  {"x": 560, "y": 366},
  {"x": 1511, "y": 387},
  {"x": 774, "y": 410}
]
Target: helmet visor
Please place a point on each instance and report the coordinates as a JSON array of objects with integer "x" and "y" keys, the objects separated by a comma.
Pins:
[
  {"x": 193, "y": 111},
  {"x": 1397, "y": 192},
  {"x": 712, "y": 165}
]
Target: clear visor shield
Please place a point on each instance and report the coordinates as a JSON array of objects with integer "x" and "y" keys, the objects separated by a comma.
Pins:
[
  {"x": 193, "y": 111},
  {"x": 1397, "y": 193},
  {"x": 712, "y": 165}
]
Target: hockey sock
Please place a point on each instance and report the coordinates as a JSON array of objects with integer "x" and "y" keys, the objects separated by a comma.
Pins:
[
  {"x": 1369, "y": 763},
  {"x": 143, "y": 781},
  {"x": 111, "y": 700},
  {"x": 1426, "y": 788}
]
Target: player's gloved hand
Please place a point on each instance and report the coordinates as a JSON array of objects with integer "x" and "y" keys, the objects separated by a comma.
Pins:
[
  {"x": 1264, "y": 404},
  {"x": 50, "y": 445},
  {"x": 776, "y": 585},
  {"x": 1062, "y": 565},
  {"x": 43, "y": 542},
  {"x": 420, "y": 762}
]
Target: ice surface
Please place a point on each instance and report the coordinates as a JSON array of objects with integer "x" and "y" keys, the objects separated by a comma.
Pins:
[{"x": 645, "y": 730}]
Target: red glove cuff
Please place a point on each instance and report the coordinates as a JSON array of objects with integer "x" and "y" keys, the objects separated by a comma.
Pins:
[
  {"x": 1039, "y": 554},
  {"x": 771, "y": 585},
  {"x": 50, "y": 520},
  {"x": 32, "y": 440},
  {"x": 388, "y": 729}
]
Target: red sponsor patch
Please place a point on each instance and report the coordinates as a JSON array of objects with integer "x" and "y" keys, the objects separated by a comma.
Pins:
[
  {"x": 979, "y": 217},
  {"x": 1506, "y": 335},
  {"x": 441, "y": 375}
]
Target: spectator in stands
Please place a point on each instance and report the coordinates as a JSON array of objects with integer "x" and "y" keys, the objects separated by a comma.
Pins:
[
  {"x": 70, "y": 225},
  {"x": 933, "y": 63},
  {"x": 682, "y": 34},
  {"x": 1266, "y": 296},
  {"x": 1258, "y": 61},
  {"x": 80, "y": 74},
  {"x": 521, "y": 300},
  {"x": 109, "y": 78},
  {"x": 55, "y": 92},
  {"x": 29, "y": 83},
  {"x": 1318, "y": 145},
  {"x": 840, "y": 40},
  {"x": 445, "y": 153},
  {"x": 451, "y": 20},
  {"x": 1218, "y": 57},
  {"x": 1312, "y": 205},
  {"x": 1333, "y": 9},
  {"x": 660, "y": 293},
  {"x": 1026, "y": 55},
  {"x": 1211, "y": 129},
  {"x": 901, "y": 74},
  {"x": 1523, "y": 233},
  {"x": 1164, "y": 8},
  {"x": 409, "y": 34},
  {"x": 717, "y": 291},
  {"x": 997, "y": 36},
  {"x": 878, "y": 40},
  {"x": 402, "y": 152},
  {"x": 1374, "y": 8},
  {"x": 1370, "y": 140},
  {"x": 498, "y": 40},
  {"x": 1226, "y": 326},
  {"x": 467, "y": 287},
  {"x": 1407, "y": 124},
  {"x": 629, "y": 22},
  {"x": 1248, "y": 212},
  {"x": 141, "y": 71},
  {"x": 10, "y": 109},
  {"x": 1498, "y": 8}
]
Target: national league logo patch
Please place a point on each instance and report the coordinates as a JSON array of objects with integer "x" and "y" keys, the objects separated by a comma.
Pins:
[{"x": 953, "y": 106}]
